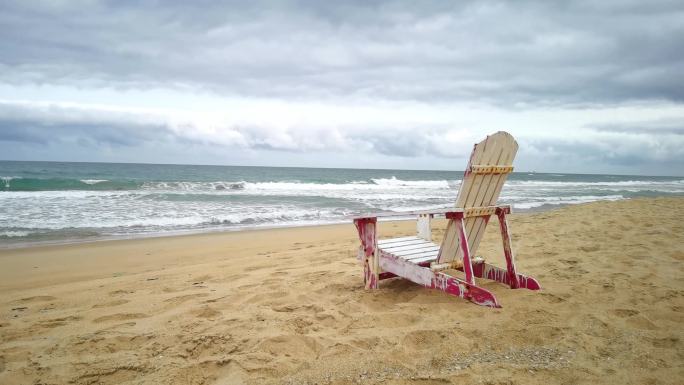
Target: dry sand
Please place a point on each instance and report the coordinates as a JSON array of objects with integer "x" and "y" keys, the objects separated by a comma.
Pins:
[{"x": 287, "y": 306}]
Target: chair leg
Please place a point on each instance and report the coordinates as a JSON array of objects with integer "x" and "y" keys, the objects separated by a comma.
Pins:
[
  {"x": 371, "y": 272},
  {"x": 369, "y": 252},
  {"x": 510, "y": 259},
  {"x": 467, "y": 264},
  {"x": 487, "y": 271}
]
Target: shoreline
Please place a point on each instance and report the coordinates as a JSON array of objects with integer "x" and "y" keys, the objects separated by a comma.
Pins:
[
  {"x": 191, "y": 232},
  {"x": 288, "y": 305}
]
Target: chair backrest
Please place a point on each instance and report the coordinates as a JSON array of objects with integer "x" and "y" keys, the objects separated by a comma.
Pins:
[{"x": 480, "y": 188}]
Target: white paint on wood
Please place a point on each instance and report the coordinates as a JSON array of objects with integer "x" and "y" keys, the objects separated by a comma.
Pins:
[
  {"x": 478, "y": 190},
  {"x": 414, "y": 251},
  {"x": 407, "y": 270},
  {"x": 408, "y": 247},
  {"x": 424, "y": 259},
  {"x": 422, "y": 254},
  {"x": 403, "y": 243},
  {"x": 423, "y": 227},
  {"x": 478, "y": 229},
  {"x": 399, "y": 239}
]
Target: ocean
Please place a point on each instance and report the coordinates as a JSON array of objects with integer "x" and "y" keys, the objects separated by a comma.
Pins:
[{"x": 54, "y": 202}]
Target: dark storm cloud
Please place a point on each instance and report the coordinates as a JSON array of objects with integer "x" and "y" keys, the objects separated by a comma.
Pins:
[{"x": 497, "y": 52}]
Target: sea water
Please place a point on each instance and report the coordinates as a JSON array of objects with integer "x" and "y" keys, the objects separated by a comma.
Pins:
[{"x": 61, "y": 202}]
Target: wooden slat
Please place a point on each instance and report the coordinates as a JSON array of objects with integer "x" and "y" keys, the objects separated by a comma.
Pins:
[
  {"x": 477, "y": 233},
  {"x": 448, "y": 249},
  {"x": 424, "y": 254},
  {"x": 407, "y": 247},
  {"x": 486, "y": 189},
  {"x": 429, "y": 258},
  {"x": 478, "y": 190},
  {"x": 406, "y": 213},
  {"x": 414, "y": 251},
  {"x": 482, "y": 153},
  {"x": 392, "y": 240},
  {"x": 488, "y": 196},
  {"x": 402, "y": 243}
]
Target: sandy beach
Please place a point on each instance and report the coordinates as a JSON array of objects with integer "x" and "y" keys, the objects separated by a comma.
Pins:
[{"x": 288, "y": 306}]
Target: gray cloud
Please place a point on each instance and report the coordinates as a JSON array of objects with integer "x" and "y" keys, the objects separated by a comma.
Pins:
[
  {"x": 56, "y": 126},
  {"x": 53, "y": 125},
  {"x": 654, "y": 146},
  {"x": 497, "y": 52},
  {"x": 620, "y": 146},
  {"x": 657, "y": 127}
]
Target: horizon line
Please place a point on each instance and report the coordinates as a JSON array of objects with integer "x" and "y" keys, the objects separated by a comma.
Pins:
[{"x": 325, "y": 168}]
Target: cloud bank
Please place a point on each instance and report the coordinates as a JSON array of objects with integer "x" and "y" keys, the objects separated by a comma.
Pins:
[{"x": 585, "y": 86}]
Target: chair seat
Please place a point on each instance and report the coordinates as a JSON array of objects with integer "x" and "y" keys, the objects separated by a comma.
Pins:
[{"x": 412, "y": 249}]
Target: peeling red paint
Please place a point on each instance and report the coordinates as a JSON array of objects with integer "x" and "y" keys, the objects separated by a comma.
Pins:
[{"x": 380, "y": 264}]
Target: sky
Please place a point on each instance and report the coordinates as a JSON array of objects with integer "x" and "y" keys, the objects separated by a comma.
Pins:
[{"x": 584, "y": 86}]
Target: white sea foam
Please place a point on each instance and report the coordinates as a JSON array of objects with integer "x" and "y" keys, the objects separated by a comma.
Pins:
[
  {"x": 394, "y": 183},
  {"x": 158, "y": 207},
  {"x": 93, "y": 181},
  {"x": 14, "y": 234},
  {"x": 592, "y": 184},
  {"x": 7, "y": 179},
  {"x": 418, "y": 208},
  {"x": 570, "y": 200},
  {"x": 233, "y": 186}
]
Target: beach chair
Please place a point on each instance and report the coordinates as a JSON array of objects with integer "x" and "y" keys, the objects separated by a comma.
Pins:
[{"x": 450, "y": 267}]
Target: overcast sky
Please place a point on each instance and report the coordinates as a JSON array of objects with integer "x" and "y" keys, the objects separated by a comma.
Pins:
[{"x": 586, "y": 86}]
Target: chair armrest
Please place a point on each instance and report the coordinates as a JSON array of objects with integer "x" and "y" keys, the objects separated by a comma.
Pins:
[
  {"x": 452, "y": 213},
  {"x": 444, "y": 212}
]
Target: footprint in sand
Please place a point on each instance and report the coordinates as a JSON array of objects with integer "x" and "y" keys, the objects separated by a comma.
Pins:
[
  {"x": 120, "y": 317},
  {"x": 665, "y": 343},
  {"x": 175, "y": 301},
  {"x": 255, "y": 268},
  {"x": 116, "y": 326},
  {"x": 52, "y": 323},
  {"x": 552, "y": 297},
  {"x": 641, "y": 322},
  {"x": 423, "y": 339},
  {"x": 206, "y": 312},
  {"x": 38, "y": 298},
  {"x": 284, "y": 308},
  {"x": 110, "y": 375},
  {"x": 624, "y": 313},
  {"x": 111, "y": 303},
  {"x": 590, "y": 248},
  {"x": 296, "y": 346},
  {"x": 120, "y": 292},
  {"x": 202, "y": 279}
]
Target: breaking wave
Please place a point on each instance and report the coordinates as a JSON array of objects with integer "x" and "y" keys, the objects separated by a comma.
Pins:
[{"x": 134, "y": 201}]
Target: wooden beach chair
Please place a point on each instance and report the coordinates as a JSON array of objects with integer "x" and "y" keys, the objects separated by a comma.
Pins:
[{"x": 420, "y": 260}]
